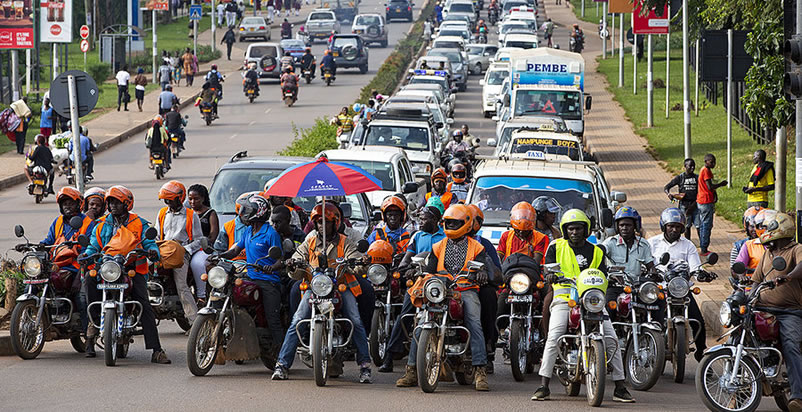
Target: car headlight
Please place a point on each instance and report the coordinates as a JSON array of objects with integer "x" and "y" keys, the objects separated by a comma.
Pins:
[
  {"x": 725, "y": 314},
  {"x": 377, "y": 274},
  {"x": 519, "y": 283},
  {"x": 434, "y": 291},
  {"x": 322, "y": 285},
  {"x": 111, "y": 271},
  {"x": 648, "y": 293},
  {"x": 678, "y": 287},
  {"x": 593, "y": 301},
  {"x": 32, "y": 266},
  {"x": 217, "y": 277}
]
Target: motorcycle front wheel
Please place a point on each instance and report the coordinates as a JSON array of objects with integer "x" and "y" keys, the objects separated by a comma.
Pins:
[
  {"x": 202, "y": 345},
  {"x": 643, "y": 374},
  {"x": 518, "y": 349},
  {"x": 110, "y": 336},
  {"x": 378, "y": 337},
  {"x": 428, "y": 360},
  {"x": 712, "y": 379},
  {"x": 320, "y": 354},
  {"x": 680, "y": 350},
  {"x": 595, "y": 375},
  {"x": 27, "y": 340}
]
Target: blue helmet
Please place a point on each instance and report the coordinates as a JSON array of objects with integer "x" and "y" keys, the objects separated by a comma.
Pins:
[
  {"x": 671, "y": 215},
  {"x": 357, "y": 107},
  {"x": 627, "y": 212}
]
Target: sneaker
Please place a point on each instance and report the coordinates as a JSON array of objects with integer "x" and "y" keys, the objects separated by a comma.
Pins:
[
  {"x": 279, "y": 373},
  {"x": 541, "y": 394},
  {"x": 795, "y": 405},
  {"x": 387, "y": 365},
  {"x": 489, "y": 367},
  {"x": 364, "y": 375},
  {"x": 160, "y": 357},
  {"x": 705, "y": 253},
  {"x": 622, "y": 395}
]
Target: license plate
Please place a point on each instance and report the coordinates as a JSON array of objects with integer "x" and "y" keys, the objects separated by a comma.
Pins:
[
  {"x": 157, "y": 161},
  {"x": 642, "y": 306},
  {"x": 358, "y": 31},
  {"x": 34, "y": 281},
  {"x": 398, "y": 10},
  {"x": 336, "y": 54},
  {"x": 38, "y": 190},
  {"x": 117, "y": 286},
  {"x": 38, "y": 182},
  {"x": 287, "y": 94},
  {"x": 207, "y": 110},
  {"x": 251, "y": 29},
  {"x": 519, "y": 298}
]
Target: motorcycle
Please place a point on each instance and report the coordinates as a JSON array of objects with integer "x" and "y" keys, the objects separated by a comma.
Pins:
[
  {"x": 58, "y": 147},
  {"x": 389, "y": 300},
  {"x": 164, "y": 299},
  {"x": 289, "y": 96},
  {"x": 175, "y": 142},
  {"x": 232, "y": 325},
  {"x": 582, "y": 355},
  {"x": 444, "y": 341},
  {"x": 307, "y": 75},
  {"x": 287, "y": 34},
  {"x": 119, "y": 317},
  {"x": 46, "y": 311},
  {"x": 158, "y": 163},
  {"x": 250, "y": 90},
  {"x": 70, "y": 171},
  {"x": 207, "y": 112},
  {"x": 492, "y": 15},
  {"x": 482, "y": 37},
  {"x": 576, "y": 46},
  {"x": 38, "y": 189},
  {"x": 328, "y": 76},
  {"x": 735, "y": 375},
  {"x": 641, "y": 338}
]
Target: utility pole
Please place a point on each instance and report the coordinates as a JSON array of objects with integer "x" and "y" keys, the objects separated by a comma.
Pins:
[
  {"x": 696, "y": 72},
  {"x": 214, "y": 26},
  {"x": 621, "y": 51},
  {"x": 583, "y": 7},
  {"x": 604, "y": 30},
  {"x": 729, "y": 109},
  {"x": 14, "y": 75},
  {"x": 668, "y": 68},
  {"x": 155, "y": 48},
  {"x": 635, "y": 65},
  {"x": 686, "y": 114},
  {"x": 649, "y": 83},
  {"x": 780, "y": 184}
]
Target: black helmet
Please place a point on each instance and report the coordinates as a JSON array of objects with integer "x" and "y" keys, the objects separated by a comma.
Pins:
[
  {"x": 286, "y": 53},
  {"x": 545, "y": 204}
]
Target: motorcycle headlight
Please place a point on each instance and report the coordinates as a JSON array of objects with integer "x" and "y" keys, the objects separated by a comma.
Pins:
[
  {"x": 648, "y": 293},
  {"x": 322, "y": 285},
  {"x": 377, "y": 274},
  {"x": 593, "y": 301},
  {"x": 519, "y": 283},
  {"x": 678, "y": 287},
  {"x": 32, "y": 266},
  {"x": 217, "y": 277},
  {"x": 434, "y": 291},
  {"x": 725, "y": 314},
  {"x": 111, "y": 271}
]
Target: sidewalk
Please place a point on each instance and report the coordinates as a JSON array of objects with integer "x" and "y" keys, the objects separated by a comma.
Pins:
[
  {"x": 114, "y": 127},
  {"x": 629, "y": 168}
]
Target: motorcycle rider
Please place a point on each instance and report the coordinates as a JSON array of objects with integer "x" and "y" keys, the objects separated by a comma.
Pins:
[
  {"x": 778, "y": 239},
  {"x": 672, "y": 224},
  {"x": 286, "y": 29},
  {"x": 481, "y": 27},
  {"x": 94, "y": 208},
  {"x": 574, "y": 254},
  {"x": 308, "y": 61},
  {"x": 308, "y": 252},
  {"x": 118, "y": 226},
  {"x": 289, "y": 81},
  {"x": 468, "y": 137},
  {"x": 94, "y": 203},
  {"x": 328, "y": 63},
  {"x": 578, "y": 36},
  {"x": 209, "y": 96},
  {"x": 547, "y": 209},
  {"x": 251, "y": 79},
  {"x": 457, "y": 144},
  {"x": 749, "y": 250},
  {"x": 287, "y": 62},
  {"x": 256, "y": 241},
  {"x": 393, "y": 212},
  {"x": 87, "y": 158},
  {"x": 175, "y": 125},
  {"x": 216, "y": 79},
  {"x": 182, "y": 225},
  {"x": 439, "y": 189},
  {"x": 40, "y": 155},
  {"x": 70, "y": 201},
  {"x": 157, "y": 140},
  {"x": 458, "y": 184},
  {"x": 523, "y": 238}
]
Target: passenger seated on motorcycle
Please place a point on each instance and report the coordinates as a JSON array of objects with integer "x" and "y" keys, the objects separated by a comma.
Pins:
[
  {"x": 481, "y": 27},
  {"x": 468, "y": 137},
  {"x": 287, "y": 62},
  {"x": 574, "y": 254},
  {"x": 86, "y": 152},
  {"x": 750, "y": 250},
  {"x": 120, "y": 226},
  {"x": 308, "y": 61},
  {"x": 256, "y": 241},
  {"x": 439, "y": 189},
  {"x": 459, "y": 185},
  {"x": 94, "y": 203},
  {"x": 547, "y": 209},
  {"x": 450, "y": 258},
  {"x": 786, "y": 297},
  {"x": 339, "y": 246},
  {"x": 393, "y": 212},
  {"x": 522, "y": 238},
  {"x": 158, "y": 141},
  {"x": 175, "y": 125},
  {"x": 208, "y": 96},
  {"x": 251, "y": 78},
  {"x": 457, "y": 144},
  {"x": 215, "y": 79},
  {"x": 180, "y": 224},
  {"x": 40, "y": 155},
  {"x": 672, "y": 224},
  {"x": 430, "y": 233},
  {"x": 289, "y": 81},
  {"x": 328, "y": 63}
]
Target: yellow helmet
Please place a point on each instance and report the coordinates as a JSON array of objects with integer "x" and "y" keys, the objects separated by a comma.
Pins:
[{"x": 575, "y": 216}]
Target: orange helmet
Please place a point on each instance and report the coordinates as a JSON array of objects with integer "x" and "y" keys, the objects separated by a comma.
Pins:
[
  {"x": 478, "y": 216},
  {"x": 173, "y": 190},
  {"x": 381, "y": 251},
  {"x": 458, "y": 168},
  {"x": 439, "y": 173},
  {"x": 391, "y": 201},
  {"x": 522, "y": 216},
  {"x": 157, "y": 120},
  {"x": 122, "y": 194},
  {"x": 332, "y": 213},
  {"x": 71, "y": 193},
  {"x": 457, "y": 221},
  {"x": 749, "y": 216}
]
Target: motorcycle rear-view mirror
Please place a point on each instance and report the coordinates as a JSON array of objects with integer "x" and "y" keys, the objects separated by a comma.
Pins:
[
  {"x": 607, "y": 218},
  {"x": 552, "y": 267},
  {"x": 83, "y": 240},
  {"x": 151, "y": 233},
  {"x": 288, "y": 246},
  {"x": 377, "y": 216},
  {"x": 779, "y": 264},
  {"x": 19, "y": 231},
  {"x": 738, "y": 268},
  {"x": 665, "y": 258},
  {"x": 204, "y": 244},
  {"x": 712, "y": 259},
  {"x": 274, "y": 253},
  {"x": 347, "y": 210},
  {"x": 362, "y": 246},
  {"x": 76, "y": 222}
]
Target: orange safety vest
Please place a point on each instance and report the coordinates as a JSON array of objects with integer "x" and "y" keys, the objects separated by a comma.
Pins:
[
  {"x": 474, "y": 249},
  {"x": 60, "y": 238},
  {"x": 230, "y": 228},
  {"x": 350, "y": 279},
  {"x": 445, "y": 198},
  {"x": 529, "y": 249},
  {"x": 400, "y": 245},
  {"x": 135, "y": 226},
  {"x": 756, "y": 251},
  {"x": 163, "y": 214}
]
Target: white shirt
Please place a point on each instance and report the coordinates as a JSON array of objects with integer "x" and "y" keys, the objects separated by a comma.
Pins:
[
  {"x": 682, "y": 249},
  {"x": 123, "y": 77},
  {"x": 175, "y": 228}
]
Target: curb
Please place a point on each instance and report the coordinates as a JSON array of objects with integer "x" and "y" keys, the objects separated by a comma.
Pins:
[{"x": 5, "y": 344}]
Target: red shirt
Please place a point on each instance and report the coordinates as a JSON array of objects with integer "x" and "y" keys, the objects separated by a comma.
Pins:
[
  {"x": 706, "y": 194},
  {"x": 518, "y": 245}
]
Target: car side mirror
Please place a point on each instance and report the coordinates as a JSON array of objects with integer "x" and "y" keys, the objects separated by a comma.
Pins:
[
  {"x": 376, "y": 216},
  {"x": 779, "y": 264},
  {"x": 410, "y": 187},
  {"x": 19, "y": 231},
  {"x": 619, "y": 197},
  {"x": 739, "y": 268},
  {"x": 83, "y": 240},
  {"x": 347, "y": 210},
  {"x": 506, "y": 100},
  {"x": 712, "y": 259},
  {"x": 274, "y": 253},
  {"x": 495, "y": 118},
  {"x": 151, "y": 233},
  {"x": 439, "y": 125},
  {"x": 486, "y": 54},
  {"x": 588, "y": 102},
  {"x": 76, "y": 222},
  {"x": 664, "y": 258},
  {"x": 362, "y": 246},
  {"x": 607, "y": 217},
  {"x": 450, "y": 121},
  {"x": 492, "y": 142}
]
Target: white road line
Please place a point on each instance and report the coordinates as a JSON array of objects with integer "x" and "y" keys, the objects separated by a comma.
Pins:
[
  {"x": 233, "y": 136},
  {"x": 251, "y": 123},
  {"x": 268, "y": 110}
]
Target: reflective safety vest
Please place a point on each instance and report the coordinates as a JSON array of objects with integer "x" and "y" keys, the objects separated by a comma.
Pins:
[
  {"x": 445, "y": 198},
  {"x": 163, "y": 213},
  {"x": 135, "y": 226},
  {"x": 756, "y": 251},
  {"x": 400, "y": 246},
  {"x": 61, "y": 237},
  {"x": 570, "y": 267},
  {"x": 350, "y": 279},
  {"x": 528, "y": 250},
  {"x": 231, "y": 233},
  {"x": 474, "y": 249},
  {"x": 345, "y": 122}
]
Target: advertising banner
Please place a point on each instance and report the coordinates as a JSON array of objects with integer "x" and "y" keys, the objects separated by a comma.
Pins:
[
  {"x": 654, "y": 22},
  {"x": 157, "y": 4},
  {"x": 56, "y": 21},
  {"x": 16, "y": 24}
]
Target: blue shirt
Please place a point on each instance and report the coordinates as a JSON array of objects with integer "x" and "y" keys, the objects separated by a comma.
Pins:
[
  {"x": 86, "y": 147},
  {"x": 46, "y": 120},
  {"x": 423, "y": 241},
  {"x": 256, "y": 246},
  {"x": 167, "y": 99},
  {"x": 392, "y": 235},
  {"x": 68, "y": 230},
  {"x": 328, "y": 61}
]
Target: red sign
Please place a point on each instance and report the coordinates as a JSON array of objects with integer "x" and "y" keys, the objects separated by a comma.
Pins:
[
  {"x": 651, "y": 23},
  {"x": 157, "y": 5},
  {"x": 84, "y": 45},
  {"x": 16, "y": 25},
  {"x": 55, "y": 29},
  {"x": 84, "y": 32}
]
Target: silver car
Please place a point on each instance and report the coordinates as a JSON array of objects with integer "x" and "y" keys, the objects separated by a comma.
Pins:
[
  {"x": 254, "y": 27},
  {"x": 479, "y": 57},
  {"x": 371, "y": 28}
]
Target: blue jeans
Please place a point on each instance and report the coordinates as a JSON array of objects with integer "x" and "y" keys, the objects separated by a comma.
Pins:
[
  {"x": 349, "y": 308},
  {"x": 706, "y": 212},
  {"x": 473, "y": 321},
  {"x": 791, "y": 338}
]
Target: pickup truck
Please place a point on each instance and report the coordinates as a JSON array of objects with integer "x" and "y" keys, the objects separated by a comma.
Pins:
[{"x": 320, "y": 24}]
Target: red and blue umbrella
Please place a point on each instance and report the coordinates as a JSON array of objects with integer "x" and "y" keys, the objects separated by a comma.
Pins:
[{"x": 323, "y": 178}]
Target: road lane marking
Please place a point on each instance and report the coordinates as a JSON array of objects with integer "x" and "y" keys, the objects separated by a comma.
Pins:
[
  {"x": 251, "y": 123},
  {"x": 268, "y": 110},
  {"x": 233, "y": 136}
]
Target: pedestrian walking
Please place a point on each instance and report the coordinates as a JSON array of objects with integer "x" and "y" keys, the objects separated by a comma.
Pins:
[
  {"x": 278, "y": 4},
  {"x": 178, "y": 67},
  {"x": 427, "y": 29},
  {"x": 559, "y": 2},
  {"x": 240, "y": 10},
  {"x": 122, "y": 88},
  {"x": 761, "y": 181},
  {"x": 271, "y": 9},
  {"x": 287, "y": 7},
  {"x": 187, "y": 60},
  {"x": 221, "y": 10},
  {"x": 229, "y": 38},
  {"x": 46, "y": 119},
  {"x": 548, "y": 30},
  {"x": 21, "y": 109},
  {"x": 297, "y": 6},
  {"x": 257, "y": 7},
  {"x": 687, "y": 184},
  {"x": 140, "y": 81},
  {"x": 706, "y": 202},
  {"x": 231, "y": 14}
]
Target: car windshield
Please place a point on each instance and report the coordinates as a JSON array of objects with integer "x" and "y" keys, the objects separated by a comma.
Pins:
[
  {"x": 496, "y": 195},
  {"x": 475, "y": 50},
  {"x": 566, "y": 104},
  {"x": 461, "y": 8},
  {"x": 457, "y": 17},
  {"x": 381, "y": 170},
  {"x": 368, "y": 20},
  {"x": 509, "y": 27},
  {"x": 405, "y": 137},
  {"x": 455, "y": 32},
  {"x": 437, "y": 113},
  {"x": 345, "y": 41},
  {"x": 253, "y": 21},
  {"x": 260, "y": 51},
  {"x": 509, "y": 5},
  {"x": 523, "y": 145},
  {"x": 496, "y": 77},
  {"x": 321, "y": 16},
  {"x": 292, "y": 44},
  {"x": 430, "y": 80},
  {"x": 452, "y": 56},
  {"x": 522, "y": 44},
  {"x": 231, "y": 183},
  {"x": 443, "y": 44}
]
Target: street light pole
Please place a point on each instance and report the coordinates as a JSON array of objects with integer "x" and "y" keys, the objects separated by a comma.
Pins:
[
  {"x": 686, "y": 103},
  {"x": 649, "y": 84},
  {"x": 155, "y": 48}
]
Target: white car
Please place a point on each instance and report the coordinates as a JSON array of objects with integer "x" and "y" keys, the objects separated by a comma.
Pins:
[
  {"x": 520, "y": 41},
  {"x": 448, "y": 42},
  {"x": 446, "y": 101},
  {"x": 525, "y": 15},
  {"x": 503, "y": 54},
  {"x": 461, "y": 8},
  {"x": 540, "y": 144},
  {"x": 434, "y": 95},
  {"x": 491, "y": 86}
]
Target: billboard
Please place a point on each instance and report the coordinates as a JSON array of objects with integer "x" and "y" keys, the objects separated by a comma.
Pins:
[
  {"x": 16, "y": 24},
  {"x": 157, "y": 4},
  {"x": 56, "y": 21},
  {"x": 654, "y": 22}
]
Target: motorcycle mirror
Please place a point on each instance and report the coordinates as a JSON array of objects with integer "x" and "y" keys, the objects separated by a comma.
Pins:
[
  {"x": 288, "y": 246},
  {"x": 76, "y": 222},
  {"x": 607, "y": 218},
  {"x": 151, "y": 233},
  {"x": 19, "y": 231},
  {"x": 83, "y": 240},
  {"x": 739, "y": 268},
  {"x": 186, "y": 116},
  {"x": 204, "y": 243},
  {"x": 347, "y": 210},
  {"x": 552, "y": 267},
  {"x": 779, "y": 264},
  {"x": 712, "y": 258},
  {"x": 362, "y": 246},
  {"x": 665, "y": 258},
  {"x": 377, "y": 216},
  {"x": 274, "y": 253},
  {"x": 588, "y": 102}
]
